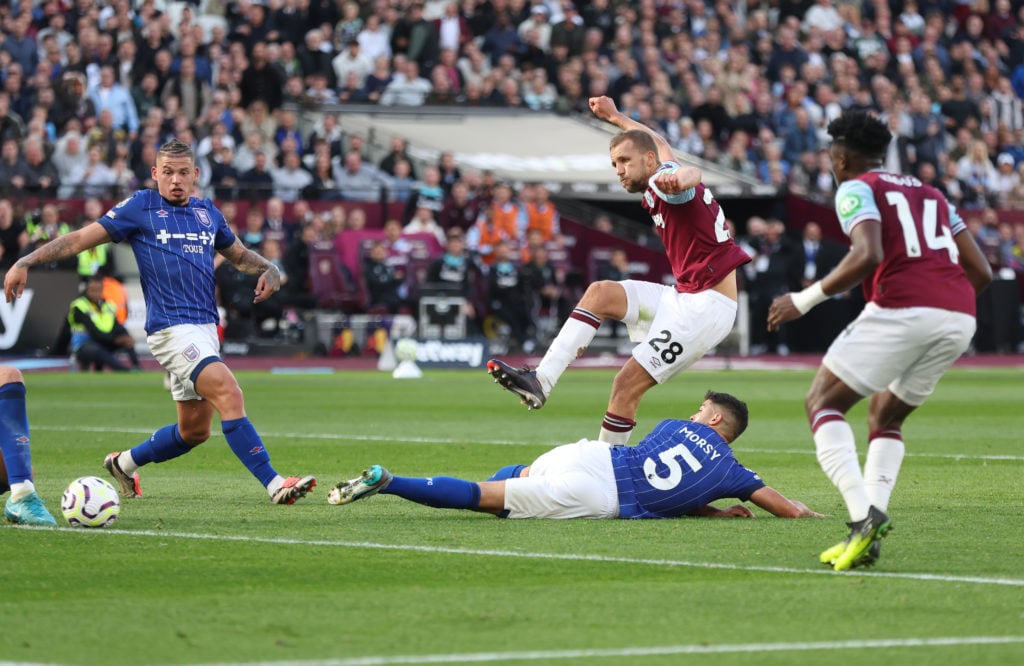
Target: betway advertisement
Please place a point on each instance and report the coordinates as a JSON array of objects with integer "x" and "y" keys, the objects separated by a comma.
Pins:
[{"x": 32, "y": 323}]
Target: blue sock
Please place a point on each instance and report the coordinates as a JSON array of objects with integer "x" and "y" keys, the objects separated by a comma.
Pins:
[
  {"x": 14, "y": 439},
  {"x": 507, "y": 472},
  {"x": 442, "y": 492},
  {"x": 247, "y": 445},
  {"x": 163, "y": 445}
]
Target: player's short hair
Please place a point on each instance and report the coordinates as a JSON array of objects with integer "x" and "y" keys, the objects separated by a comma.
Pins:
[
  {"x": 734, "y": 411},
  {"x": 176, "y": 148},
  {"x": 860, "y": 132},
  {"x": 641, "y": 139}
]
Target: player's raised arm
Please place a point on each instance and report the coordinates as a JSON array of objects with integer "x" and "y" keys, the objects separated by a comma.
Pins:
[
  {"x": 678, "y": 180},
  {"x": 59, "y": 248},
  {"x": 605, "y": 109},
  {"x": 253, "y": 263},
  {"x": 779, "y": 505}
]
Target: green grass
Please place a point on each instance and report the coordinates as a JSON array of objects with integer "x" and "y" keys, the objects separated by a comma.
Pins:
[{"x": 204, "y": 570}]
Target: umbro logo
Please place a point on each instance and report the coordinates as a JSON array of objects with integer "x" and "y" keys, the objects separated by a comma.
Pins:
[{"x": 162, "y": 213}]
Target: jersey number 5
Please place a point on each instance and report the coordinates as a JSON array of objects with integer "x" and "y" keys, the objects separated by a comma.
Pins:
[{"x": 670, "y": 458}]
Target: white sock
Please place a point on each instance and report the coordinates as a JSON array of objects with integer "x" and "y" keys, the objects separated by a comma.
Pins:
[
  {"x": 275, "y": 485},
  {"x": 127, "y": 463},
  {"x": 837, "y": 455},
  {"x": 882, "y": 466},
  {"x": 576, "y": 335},
  {"x": 21, "y": 489}
]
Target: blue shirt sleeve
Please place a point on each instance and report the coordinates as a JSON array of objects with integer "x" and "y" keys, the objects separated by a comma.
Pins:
[
  {"x": 121, "y": 221},
  {"x": 744, "y": 482}
]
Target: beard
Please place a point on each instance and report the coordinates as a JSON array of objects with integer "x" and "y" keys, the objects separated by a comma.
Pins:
[{"x": 634, "y": 185}]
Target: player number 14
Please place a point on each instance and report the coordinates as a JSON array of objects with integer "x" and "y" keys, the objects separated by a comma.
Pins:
[{"x": 936, "y": 237}]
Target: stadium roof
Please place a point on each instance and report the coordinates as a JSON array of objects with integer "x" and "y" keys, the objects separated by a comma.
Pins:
[{"x": 568, "y": 154}]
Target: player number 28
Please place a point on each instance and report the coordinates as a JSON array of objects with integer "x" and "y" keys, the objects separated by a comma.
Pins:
[
  {"x": 670, "y": 458},
  {"x": 666, "y": 347}
]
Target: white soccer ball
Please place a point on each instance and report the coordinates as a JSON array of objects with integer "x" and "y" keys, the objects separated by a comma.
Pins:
[
  {"x": 405, "y": 349},
  {"x": 90, "y": 502}
]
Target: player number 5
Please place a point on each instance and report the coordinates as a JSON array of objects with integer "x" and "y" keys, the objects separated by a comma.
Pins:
[{"x": 670, "y": 458}]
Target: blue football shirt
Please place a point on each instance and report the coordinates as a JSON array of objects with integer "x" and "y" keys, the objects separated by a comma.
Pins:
[
  {"x": 174, "y": 247},
  {"x": 678, "y": 468}
]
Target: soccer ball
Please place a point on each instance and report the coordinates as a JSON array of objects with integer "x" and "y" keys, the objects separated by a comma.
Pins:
[
  {"x": 405, "y": 349},
  {"x": 90, "y": 502}
]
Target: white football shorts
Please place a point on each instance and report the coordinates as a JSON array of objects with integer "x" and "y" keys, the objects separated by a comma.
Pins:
[
  {"x": 569, "y": 481},
  {"x": 674, "y": 330},
  {"x": 903, "y": 349},
  {"x": 180, "y": 350}
]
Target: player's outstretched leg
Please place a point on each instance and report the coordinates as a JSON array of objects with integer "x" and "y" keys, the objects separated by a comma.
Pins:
[
  {"x": 128, "y": 484},
  {"x": 521, "y": 381},
  {"x": 863, "y": 535},
  {"x": 28, "y": 510},
  {"x": 373, "y": 480},
  {"x": 293, "y": 489}
]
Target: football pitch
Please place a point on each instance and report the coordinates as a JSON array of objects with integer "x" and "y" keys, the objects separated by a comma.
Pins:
[{"x": 204, "y": 570}]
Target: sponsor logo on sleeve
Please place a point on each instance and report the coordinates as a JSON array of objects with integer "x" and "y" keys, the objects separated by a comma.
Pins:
[{"x": 849, "y": 205}]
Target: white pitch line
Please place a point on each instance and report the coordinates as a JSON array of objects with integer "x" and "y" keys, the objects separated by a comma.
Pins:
[
  {"x": 574, "y": 557},
  {"x": 653, "y": 651},
  {"x": 348, "y": 437}
]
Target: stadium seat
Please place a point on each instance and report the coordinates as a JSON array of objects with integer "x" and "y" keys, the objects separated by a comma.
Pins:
[{"x": 333, "y": 287}]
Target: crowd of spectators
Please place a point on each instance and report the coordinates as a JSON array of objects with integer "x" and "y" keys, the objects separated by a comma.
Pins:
[{"x": 89, "y": 89}]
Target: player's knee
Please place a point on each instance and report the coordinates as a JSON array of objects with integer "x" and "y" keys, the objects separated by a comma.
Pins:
[
  {"x": 226, "y": 397},
  {"x": 10, "y": 375},
  {"x": 605, "y": 298}
]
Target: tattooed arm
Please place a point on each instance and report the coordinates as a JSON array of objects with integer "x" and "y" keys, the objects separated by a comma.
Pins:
[
  {"x": 59, "y": 248},
  {"x": 252, "y": 263}
]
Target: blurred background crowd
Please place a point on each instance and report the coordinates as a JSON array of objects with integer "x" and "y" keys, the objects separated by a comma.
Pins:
[{"x": 89, "y": 89}]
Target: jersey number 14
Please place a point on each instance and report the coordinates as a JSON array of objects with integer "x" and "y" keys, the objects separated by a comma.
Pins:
[{"x": 936, "y": 237}]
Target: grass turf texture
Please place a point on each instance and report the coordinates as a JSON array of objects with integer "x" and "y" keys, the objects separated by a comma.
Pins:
[{"x": 204, "y": 569}]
